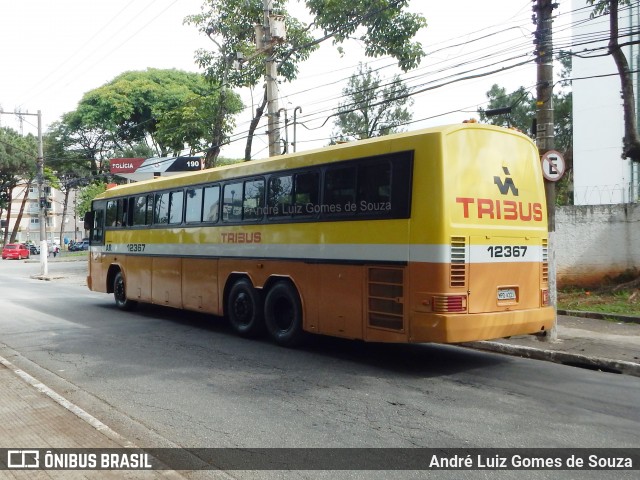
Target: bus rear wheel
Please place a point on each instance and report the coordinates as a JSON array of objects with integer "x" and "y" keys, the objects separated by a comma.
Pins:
[
  {"x": 283, "y": 315},
  {"x": 244, "y": 309},
  {"x": 120, "y": 293}
]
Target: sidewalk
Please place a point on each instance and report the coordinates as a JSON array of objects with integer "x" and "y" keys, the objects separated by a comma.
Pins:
[
  {"x": 33, "y": 416},
  {"x": 589, "y": 341}
]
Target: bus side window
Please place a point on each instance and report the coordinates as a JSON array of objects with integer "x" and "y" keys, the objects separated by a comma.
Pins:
[
  {"x": 280, "y": 196},
  {"x": 125, "y": 212},
  {"x": 97, "y": 230},
  {"x": 211, "y": 205},
  {"x": 176, "y": 202},
  {"x": 307, "y": 186},
  {"x": 112, "y": 213},
  {"x": 253, "y": 200},
  {"x": 131, "y": 208},
  {"x": 193, "y": 211},
  {"x": 139, "y": 210},
  {"x": 232, "y": 202},
  {"x": 161, "y": 208},
  {"x": 374, "y": 188},
  {"x": 339, "y": 190},
  {"x": 149, "y": 213}
]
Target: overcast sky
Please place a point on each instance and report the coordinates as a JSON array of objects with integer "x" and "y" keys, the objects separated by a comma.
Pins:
[{"x": 52, "y": 52}]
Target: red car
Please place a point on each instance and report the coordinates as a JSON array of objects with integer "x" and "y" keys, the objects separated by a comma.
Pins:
[{"x": 15, "y": 250}]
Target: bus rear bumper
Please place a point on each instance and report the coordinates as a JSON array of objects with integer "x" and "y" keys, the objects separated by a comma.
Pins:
[{"x": 457, "y": 328}]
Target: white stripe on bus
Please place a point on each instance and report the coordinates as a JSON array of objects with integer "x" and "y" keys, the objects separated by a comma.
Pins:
[{"x": 330, "y": 252}]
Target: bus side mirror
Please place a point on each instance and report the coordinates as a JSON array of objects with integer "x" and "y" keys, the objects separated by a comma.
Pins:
[{"x": 88, "y": 220}]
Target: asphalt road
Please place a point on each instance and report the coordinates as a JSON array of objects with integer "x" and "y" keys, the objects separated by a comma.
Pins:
[{"x": 163, "y": 378}]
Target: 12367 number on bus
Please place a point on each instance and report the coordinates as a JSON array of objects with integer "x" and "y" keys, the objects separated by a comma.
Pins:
[
  {"x": 507, "y": 251},
  {"x": 136, "y": 247}
]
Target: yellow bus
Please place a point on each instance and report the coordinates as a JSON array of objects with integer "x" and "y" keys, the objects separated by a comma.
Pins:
[{"x": 438, "y": 235}]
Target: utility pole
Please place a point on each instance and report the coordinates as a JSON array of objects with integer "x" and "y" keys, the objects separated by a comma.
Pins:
[
  {"x": 272, "y": 85},
  {"x": 543, "y": 10},
  {"x": 42, "y": 213},
  {"x": 274, "y": 32}
]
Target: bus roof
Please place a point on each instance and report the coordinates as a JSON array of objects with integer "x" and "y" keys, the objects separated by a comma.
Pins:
[{"x": 286, "y": 161}]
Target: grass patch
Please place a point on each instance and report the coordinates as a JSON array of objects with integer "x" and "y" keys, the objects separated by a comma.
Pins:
[{"x": 584, "y": 300}]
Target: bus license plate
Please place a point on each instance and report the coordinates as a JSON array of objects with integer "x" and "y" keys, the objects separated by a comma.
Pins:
[{"x": 506, "y": 294}]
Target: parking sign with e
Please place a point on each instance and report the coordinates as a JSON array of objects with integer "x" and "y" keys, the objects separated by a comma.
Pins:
[{"x": 553, "y": 165}]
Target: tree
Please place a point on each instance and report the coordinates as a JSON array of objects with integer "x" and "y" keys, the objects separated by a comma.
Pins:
[
  {"x": 86, "y": 196},
  {"x": 383, "y": 26},
  {"x": 520, "y": 109},
  {"x": 138, "y": 107},
  {"x": 372, "y": 108},
  {"x": 201, "y": 122},
  {"x": 17, "y": 163},
  {"x": 631, "y": 140}
]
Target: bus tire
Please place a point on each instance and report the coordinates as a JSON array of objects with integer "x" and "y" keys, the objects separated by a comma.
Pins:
[
  {"x": 120, "y": 294},
  {"x": 283, "y": 315},
  {"x": 244, "y": 309}
]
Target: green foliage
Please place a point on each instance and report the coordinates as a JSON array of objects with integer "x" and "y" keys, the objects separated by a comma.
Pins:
[
  {"x": 86, "y": 196},
  {"x": 146, "y": 106},
  {"x": 18, "y": 155},
  {"x": 383, "y": 26},
  {"x": 522, "y": 104},
  {"x": 228, "y": 161},
  {"x": 602, "y": 301},
  {"x": 198, "y": 122},
  {"x": 372, "y": 108},
  {"x": 230, "y": 26},
  {"x": 601, "y": 7}
]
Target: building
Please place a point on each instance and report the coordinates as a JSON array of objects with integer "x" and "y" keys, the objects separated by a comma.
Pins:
[
  {"x": 600, "y": 175},
  {"x": 29, "y": 226}
]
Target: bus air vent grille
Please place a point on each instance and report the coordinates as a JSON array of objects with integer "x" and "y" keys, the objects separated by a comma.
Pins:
[
  {"x": 458, "y": 272},
  {"x": 386, "y": 298},
  {"x": 545, "y": 260}
]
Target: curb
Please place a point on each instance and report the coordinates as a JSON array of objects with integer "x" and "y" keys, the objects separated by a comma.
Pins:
[
  {"x": 564, "y": 358},
  {"x": 59, "y": 260}
]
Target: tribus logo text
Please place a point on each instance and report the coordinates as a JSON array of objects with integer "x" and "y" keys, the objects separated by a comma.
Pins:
[{"x": 500, "y": 209}]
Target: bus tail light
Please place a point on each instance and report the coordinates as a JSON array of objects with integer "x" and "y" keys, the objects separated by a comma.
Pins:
[
  {"x": 545, "y": 297},
  {"x": 450, "y": 303}
]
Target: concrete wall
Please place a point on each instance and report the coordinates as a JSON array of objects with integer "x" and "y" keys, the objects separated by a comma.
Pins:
[{"x": 594, "y": 241}]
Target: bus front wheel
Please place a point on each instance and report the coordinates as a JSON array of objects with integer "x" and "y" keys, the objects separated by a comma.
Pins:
[
  {"x": 120, "y": 293},
  {"x": 244, "y": 309},
  {"x": 283, "y": 315}
]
